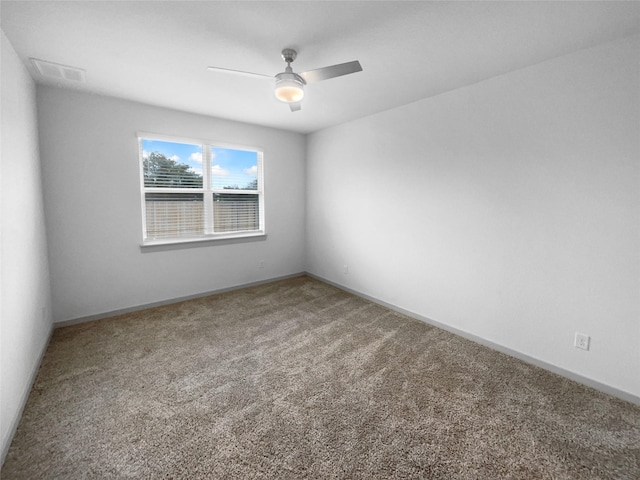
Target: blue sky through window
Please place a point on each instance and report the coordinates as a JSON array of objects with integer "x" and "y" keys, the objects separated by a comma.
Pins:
[
  {"x": 233, "y": 167},
  {"x": 230, "y": 168}
]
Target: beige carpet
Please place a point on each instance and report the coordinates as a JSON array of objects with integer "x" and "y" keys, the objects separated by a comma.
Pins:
[{"x": 297, "y": 379}]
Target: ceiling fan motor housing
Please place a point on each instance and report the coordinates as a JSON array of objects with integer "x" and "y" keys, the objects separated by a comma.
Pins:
[{"x": 289, "y": 87}]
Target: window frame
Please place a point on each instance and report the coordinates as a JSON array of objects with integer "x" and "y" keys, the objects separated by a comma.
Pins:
[{"x": 207, "y": 191}]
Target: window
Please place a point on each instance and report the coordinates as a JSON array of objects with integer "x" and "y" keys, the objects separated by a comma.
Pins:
[{"x": 193, "y": 191}]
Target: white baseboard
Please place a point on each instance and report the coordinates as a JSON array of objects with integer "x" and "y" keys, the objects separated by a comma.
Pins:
[
  {"x": 113, "y": 313},
  {"x": 6, "y": 442},
  {"x": 603, "y": 387}
]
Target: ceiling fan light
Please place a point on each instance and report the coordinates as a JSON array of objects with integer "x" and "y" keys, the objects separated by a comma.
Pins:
[{"x": 289, "y": 89}]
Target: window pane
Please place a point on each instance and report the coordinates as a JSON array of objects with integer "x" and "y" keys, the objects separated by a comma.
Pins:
[
  {"x": 233, "y": 212},
  {"x": 234, "y": 169},
  {"x": 187, "y": 198},
  {"x": 171, "y": 164},
  {"x": 171, "y": 215}
]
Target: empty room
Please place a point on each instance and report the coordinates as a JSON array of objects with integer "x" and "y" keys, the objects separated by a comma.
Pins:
[{"x": 320, "y": 239}]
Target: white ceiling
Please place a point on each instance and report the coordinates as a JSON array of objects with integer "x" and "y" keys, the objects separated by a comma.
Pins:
[{"x": 157, "y": 52}]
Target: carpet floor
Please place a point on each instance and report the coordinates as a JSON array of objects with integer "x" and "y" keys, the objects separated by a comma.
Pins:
[{"x": 298, "y": 379}]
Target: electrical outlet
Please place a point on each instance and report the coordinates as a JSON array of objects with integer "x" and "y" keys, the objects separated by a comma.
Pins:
[
  {"x": 582, "y": 341},
  {"x": 261, "y": 263},
  {"x": 345, "y": 269}
]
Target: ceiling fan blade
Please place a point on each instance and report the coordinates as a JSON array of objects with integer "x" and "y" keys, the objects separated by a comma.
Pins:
[
  {"x": 239, "y": 72},
  {"x": 332, "y": 71},
  {"x": 295, "y": 106}
]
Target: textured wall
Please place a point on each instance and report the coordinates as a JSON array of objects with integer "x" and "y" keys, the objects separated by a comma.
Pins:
[
  {"x": 508, "y": 210},
  {"x": 92, "y": 192},
  {"x": 25, "y": 318}
]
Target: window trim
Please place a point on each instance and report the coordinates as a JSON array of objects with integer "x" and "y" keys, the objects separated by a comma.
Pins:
[{"x": 206, "y": 145}]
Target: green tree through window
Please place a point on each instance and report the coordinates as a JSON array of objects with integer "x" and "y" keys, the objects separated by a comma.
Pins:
[{"x": 160, "y": 171}]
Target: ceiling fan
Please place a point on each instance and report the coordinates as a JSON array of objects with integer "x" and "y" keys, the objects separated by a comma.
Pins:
[{"x": 289, "y": 86}]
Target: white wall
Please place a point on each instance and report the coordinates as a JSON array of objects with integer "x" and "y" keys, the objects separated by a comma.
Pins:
[
  {"x": 508, "y": 210},
  {"x": 25, "y": 313},
  {"x": 92, "y": 196}
]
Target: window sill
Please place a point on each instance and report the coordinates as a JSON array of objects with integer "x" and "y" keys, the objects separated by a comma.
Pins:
[{"x": 239, "y": 236}]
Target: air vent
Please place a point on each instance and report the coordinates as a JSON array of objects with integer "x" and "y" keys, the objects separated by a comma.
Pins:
[{"x": 61, "y": 72}]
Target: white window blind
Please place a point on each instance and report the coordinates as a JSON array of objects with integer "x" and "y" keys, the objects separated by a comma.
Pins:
[{"x": 198, "y": 191}]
